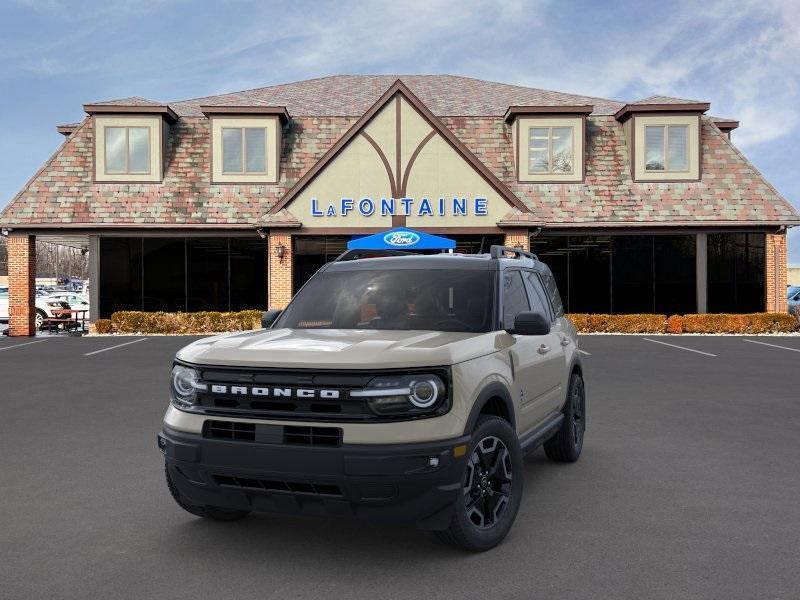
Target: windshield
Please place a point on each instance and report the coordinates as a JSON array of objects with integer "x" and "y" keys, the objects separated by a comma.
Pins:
[{"x": 436, "y": 300}]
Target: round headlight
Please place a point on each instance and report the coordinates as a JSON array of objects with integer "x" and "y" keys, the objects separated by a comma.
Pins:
[
  {"x": 185, "y": 383},
  {"x": 423, "y": 393}
]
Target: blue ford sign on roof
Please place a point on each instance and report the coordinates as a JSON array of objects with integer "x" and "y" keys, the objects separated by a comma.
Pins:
[{"x": 401, "y": 238}]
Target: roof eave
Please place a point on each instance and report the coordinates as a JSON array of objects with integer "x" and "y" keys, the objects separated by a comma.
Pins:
[
  {"x": 131, "y": 109},
  {"x": 629, "y": 109},
  {"x": 576, "y": 109},
  {"x": 279, "y": 111}
]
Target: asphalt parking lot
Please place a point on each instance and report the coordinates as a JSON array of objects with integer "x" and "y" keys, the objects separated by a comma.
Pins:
[{"x": 688, "y": 487}]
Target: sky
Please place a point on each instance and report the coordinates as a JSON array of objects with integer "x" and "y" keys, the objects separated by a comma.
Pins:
[{"x": 739, "y": 55}]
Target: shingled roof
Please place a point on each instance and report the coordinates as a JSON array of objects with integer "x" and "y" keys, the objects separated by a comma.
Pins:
[{"x": 731, "y": 191}]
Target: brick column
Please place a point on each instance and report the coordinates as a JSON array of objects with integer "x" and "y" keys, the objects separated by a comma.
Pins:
[
  {"x": 517, "y": 238},
  {"x": 21, "y": 284},
  {"x": 280, "y": 270},
  {"x": 775, "y": 273}
]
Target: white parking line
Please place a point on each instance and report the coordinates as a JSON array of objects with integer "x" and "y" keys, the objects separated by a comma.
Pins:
[
  {"x": 771, "y": 345},
  {"x": 20, "y": 345},
  {"x": 584, "y": 352},
  {"x": 680, "y": 347},
  {"x": 113, "y": 347}
]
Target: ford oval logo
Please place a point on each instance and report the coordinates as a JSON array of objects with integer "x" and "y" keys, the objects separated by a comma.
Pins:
[{"x": 401, "y": 238}]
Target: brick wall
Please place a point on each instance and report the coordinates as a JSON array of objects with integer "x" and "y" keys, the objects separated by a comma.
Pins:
[
  {"x": 517, "y": 238},
  {"x": 21, "y": 284},
  {"x": 776, "y": 273},
  {"x": 280, "y": 270}
]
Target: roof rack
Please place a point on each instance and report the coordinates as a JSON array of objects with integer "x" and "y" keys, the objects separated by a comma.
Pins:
[
  {"x": 501, "y": 251},
  {"x": 357, "y": 254}
]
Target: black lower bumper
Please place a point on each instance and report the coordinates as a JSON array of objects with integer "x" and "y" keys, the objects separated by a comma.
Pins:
[{"x": 411, "y": 483}]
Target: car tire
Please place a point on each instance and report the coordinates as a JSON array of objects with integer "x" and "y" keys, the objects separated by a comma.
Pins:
[
  {"x": 567, "y": 443},
  {"x": 39, "y": 318},
  {"x": 491, "y": 488},
  {"x": 214, "y": 513}
]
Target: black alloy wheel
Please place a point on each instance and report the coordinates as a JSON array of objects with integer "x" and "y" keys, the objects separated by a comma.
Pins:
[{"x": 487, "y": 486}]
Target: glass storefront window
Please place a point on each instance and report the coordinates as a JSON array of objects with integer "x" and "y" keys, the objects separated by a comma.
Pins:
[
  {"x": 736, "y": 272},
  {"x": 180, "y": 274}
]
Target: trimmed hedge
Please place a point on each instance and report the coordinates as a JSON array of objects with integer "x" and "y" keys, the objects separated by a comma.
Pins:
[
  {"x": 707, "y": 323},
  {"x": 103, "y": 326},
  {"x": 197, "y": 322}
]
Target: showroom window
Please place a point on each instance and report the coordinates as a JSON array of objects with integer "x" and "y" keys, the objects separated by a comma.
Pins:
[
  {"x": 550, "y": 150},
  {"x": 666, "y": 147},
  {"x": 736, "y": 265},
  {"x": 182, "y": 274},
  {"x": 622, "y": 274},
  {"x": 244, "y": 150}
]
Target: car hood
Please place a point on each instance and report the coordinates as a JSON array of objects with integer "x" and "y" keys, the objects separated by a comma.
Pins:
[{"x": 341, "y": 348}]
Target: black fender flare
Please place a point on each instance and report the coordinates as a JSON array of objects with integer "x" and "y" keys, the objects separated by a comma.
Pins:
[
  {"x": 574, "y": 366},
  {"x": 495, "y": 389}
]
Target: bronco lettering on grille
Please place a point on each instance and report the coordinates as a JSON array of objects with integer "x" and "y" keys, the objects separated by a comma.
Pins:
[{"x": 274, "y": 392}]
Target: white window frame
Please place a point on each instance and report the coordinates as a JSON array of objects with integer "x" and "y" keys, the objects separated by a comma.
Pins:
[
  {"x": 665, "y": 148},
  {"x": 550, "y": 129},
  {"x": 244, "y": 171},
  {"x": 127, "y": 129}
]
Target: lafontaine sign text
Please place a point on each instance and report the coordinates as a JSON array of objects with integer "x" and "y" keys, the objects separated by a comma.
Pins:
[{"x": 422, "y": 207}]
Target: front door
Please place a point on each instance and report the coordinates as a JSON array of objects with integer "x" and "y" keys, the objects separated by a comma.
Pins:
[{"x": 538, "y": 360}]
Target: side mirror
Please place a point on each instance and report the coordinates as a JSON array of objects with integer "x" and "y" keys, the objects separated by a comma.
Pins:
[
  {"x": 531, "y": 323},
  {"x": 268, "y": 318}
]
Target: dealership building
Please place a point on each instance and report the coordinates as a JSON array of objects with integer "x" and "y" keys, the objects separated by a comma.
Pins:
[{"x": 233, "y": 201}]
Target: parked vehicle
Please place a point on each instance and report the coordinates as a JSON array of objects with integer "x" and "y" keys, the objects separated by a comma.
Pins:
[
  {"x": 793, "y": 297},
  {"x": 400, "y": 388},
  {"x": 3, "y": 304},
  {"x": 76, "y": 301},
  {"x": 46, "y": 307}
]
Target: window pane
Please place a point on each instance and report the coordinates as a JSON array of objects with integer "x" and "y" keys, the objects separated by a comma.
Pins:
[
  {"x": 590, "y": 274},
  {"x": 515, "y": 299},
  {"x": 675, "y": 280},
  {"x": 552, "y": 251},
  {"x": 207, "y": 273},
  {"x": 678, "y": 140},
  {"x": 231, "y": 150},
  {"x": 736, "y": 272},
  {"x": 248, "y": 273},
  {"x": 138, "y": 149},
  {"x": 115, "y": 149},
  {"x": 255, "y": 139},
  {"x": 654, "y": 148},
  {"x": 536, "y": 295},
  {"x": 164, "y": 277},
  {"x": 562, "y": 149},
  {"x": 632, "y": 274},
  {"x": 538, "y": 150},
  {"x": 120, "y": 266}
]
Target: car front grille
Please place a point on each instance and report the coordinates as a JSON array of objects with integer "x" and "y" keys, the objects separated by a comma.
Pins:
[
  {"x": 272, "y": 434},
  {"x": 273, "y": 486}
]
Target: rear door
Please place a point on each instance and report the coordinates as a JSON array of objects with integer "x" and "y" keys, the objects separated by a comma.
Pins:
[{"x": 533, "y": 357}]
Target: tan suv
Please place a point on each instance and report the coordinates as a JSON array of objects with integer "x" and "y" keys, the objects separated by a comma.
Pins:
[{"x": 398, "y": 388}]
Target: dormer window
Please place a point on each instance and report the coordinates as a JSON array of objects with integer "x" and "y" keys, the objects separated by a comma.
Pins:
[
  {"x": 245, "y": 143},
  {"x": 548, "y": 142},
  {"x": 127, "y": 150},
  {"x": 666, "y": 148},
  {"x": 550, "y": 150}
]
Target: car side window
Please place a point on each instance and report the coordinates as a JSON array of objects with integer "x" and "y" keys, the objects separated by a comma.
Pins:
[
  {"x": 552, "y": 292},
  {"x": 537, "y": 295},
  {"x": 515, "y": 298}
]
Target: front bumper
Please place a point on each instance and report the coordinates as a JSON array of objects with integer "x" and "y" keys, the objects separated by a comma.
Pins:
[{"x": 410, "y": 483}]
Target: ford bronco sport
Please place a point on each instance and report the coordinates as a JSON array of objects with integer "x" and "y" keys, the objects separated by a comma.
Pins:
[{"x": 400, "y": 388}]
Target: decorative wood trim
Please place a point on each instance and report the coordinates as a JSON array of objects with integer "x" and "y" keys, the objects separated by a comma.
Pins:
[
  {"x": 515, "y": 111},
  {"x": 384, "y": 160},
  {"x": 399, "y": 87},
  {"x": 131, "y": 109},
  {"x": 629, "y": 109},
  {"x": 279, "y": 111},
  {"x": 412, "y": 158}
]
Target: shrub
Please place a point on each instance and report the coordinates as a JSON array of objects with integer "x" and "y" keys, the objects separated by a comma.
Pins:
[
  {"x": 706, "y": 323},
  {"x": 197, "y": 322},
  {"x": 586, "y": 323},
  {"x": 103, "y": 326},
  {"x": 747, "y": 323}
]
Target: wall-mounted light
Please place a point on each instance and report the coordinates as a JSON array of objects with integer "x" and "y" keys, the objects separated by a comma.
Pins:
[
  {"x": 280, "y": 252},
  {"x": 261, "y": 233},
  {"x": 4, "y": 232}
]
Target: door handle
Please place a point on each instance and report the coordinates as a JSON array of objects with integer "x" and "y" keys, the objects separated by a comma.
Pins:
[{"x": 543, "y": 349}]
